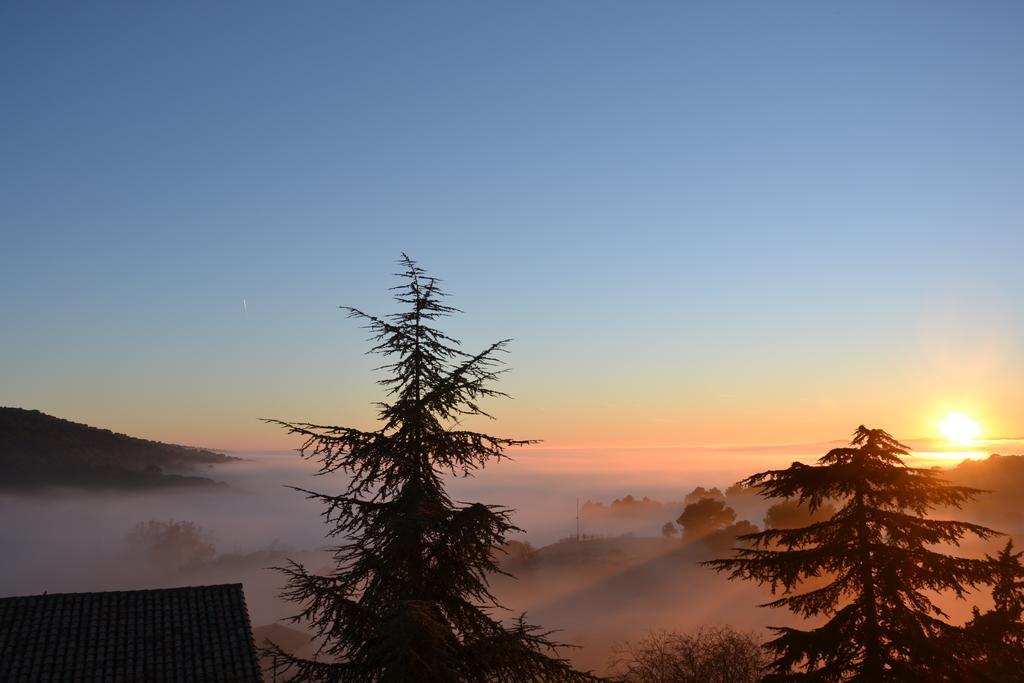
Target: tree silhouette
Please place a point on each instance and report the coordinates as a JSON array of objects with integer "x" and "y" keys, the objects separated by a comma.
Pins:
[
  {"x": 706, "y": 515},
  {"x": 721, "y": 540},
  {"x": 882, "y": 625},
  {"x": 790, "y": 514},
  {"x": 1000, "y": 631},
  {"x": 169, "y": 546},
  {"x": 700, "y": 493},
  {"x": 738, "y": 489},
  {"x": 408, "y": 599},
  {"x": 708, "y": 655}
]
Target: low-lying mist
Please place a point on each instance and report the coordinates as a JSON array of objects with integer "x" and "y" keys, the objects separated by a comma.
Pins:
[{"x": 624, "y": 583}]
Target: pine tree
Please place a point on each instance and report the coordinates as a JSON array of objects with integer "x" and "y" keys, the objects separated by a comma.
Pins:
[
  {"x": 874, "y": 553},
  {"x": 408, "y": 597},
  {"x": 999, "y": 632}
]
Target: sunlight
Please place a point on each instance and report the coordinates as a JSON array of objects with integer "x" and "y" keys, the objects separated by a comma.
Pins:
[{"x": 959, "y": 428}]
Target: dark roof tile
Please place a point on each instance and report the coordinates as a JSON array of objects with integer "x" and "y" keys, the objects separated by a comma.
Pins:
[{"x": 196, "y": 633}]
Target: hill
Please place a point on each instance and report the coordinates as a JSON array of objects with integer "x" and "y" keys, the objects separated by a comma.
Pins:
[
  {"x": 1002, "y": 476},
  {"x": 38, "y": 450},
  {"x": 600, "y": 593}
]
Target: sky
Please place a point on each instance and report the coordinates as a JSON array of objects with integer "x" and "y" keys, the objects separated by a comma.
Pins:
[{"x": 701, "y": 223}]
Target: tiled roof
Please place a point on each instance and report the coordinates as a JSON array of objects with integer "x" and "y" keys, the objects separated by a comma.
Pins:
[{"x": 197, "y": 633}]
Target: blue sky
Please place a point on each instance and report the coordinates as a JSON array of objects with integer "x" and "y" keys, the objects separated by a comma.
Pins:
[{"x": 702, "y": 223}]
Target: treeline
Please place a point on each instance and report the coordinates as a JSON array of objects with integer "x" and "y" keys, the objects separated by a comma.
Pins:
[
  {"x": 704, "y": 514},
  {"x": 625, "y": 507}
]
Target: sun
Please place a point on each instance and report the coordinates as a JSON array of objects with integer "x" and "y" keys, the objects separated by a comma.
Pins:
[{"x": 960, "y": 428}]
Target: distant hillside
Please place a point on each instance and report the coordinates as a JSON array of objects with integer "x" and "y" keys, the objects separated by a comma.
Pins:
[
  {"x": 1003, "y": 477},
  {"x": 38, "y": 450}
]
